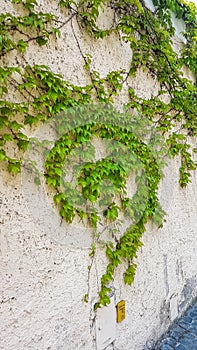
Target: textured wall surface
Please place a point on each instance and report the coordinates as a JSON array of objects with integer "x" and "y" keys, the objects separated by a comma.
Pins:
[{"x": 43, "y": 281}]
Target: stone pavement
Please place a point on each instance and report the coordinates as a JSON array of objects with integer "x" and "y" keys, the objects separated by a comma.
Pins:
[{"x": 182, "y": 335}]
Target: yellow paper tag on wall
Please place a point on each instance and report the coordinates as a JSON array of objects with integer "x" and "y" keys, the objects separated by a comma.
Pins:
[{"x": 121, "y": 311}]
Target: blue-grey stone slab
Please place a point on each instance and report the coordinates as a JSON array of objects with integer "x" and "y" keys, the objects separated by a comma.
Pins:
[
  {"x": 181, "y": 347},
  {"x": 166, "y": 347},
  {"x": 188, "y": 319},
  {"x": 186, "y": 326},
  {"x": 193, "y": 313},
  {"x": 176, "y": 332},
  {"x": 187, "y": 342},
  {"x": 170, "y": 341}
]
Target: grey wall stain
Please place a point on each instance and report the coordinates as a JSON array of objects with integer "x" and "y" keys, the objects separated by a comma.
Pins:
[
  {"x": 165, "y": 274},
  {"x": 179, "y": 270},
  {"x": 164, "y": 314},
  {"x": 188, "y": 293}
]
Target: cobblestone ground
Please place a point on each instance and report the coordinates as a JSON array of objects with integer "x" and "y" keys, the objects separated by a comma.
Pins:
[{"x": 183, "y": 334}]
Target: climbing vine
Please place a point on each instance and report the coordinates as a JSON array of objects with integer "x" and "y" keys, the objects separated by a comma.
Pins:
[{"x": 33, "y": 94}]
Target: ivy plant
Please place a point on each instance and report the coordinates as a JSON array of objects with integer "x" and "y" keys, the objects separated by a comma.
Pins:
[{"x": 43, "y": 94}]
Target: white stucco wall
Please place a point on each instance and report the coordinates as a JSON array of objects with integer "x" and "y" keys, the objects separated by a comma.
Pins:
[{"x": 43, "y": 281}]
